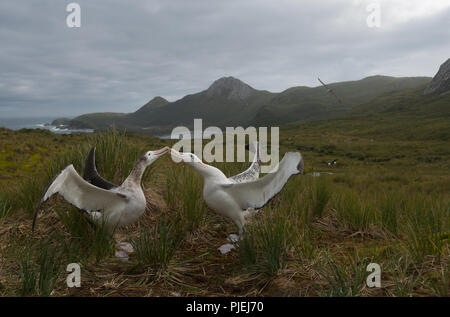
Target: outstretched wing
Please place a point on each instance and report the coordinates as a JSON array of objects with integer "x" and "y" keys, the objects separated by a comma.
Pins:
[
  {"x": 329, "y": 90},
  {"x": 252, "y": 173},
  {"x": 91, "y": 174},
  {"x": 257, "y": 193},
  {"x": 83, "y": 195}
]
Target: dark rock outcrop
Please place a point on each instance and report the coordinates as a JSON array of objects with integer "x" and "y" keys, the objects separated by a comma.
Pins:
[
  {"x": 232, "y": 88},
  {"x": 441, "y": 82}
]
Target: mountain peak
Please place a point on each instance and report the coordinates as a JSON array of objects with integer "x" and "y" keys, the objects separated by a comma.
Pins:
[
  {"x": 156, "y": 102},
  {"x": 231, "y": 87}
]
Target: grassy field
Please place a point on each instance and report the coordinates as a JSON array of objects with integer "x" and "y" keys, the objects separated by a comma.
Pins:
[{"x": 387, "y": 202}]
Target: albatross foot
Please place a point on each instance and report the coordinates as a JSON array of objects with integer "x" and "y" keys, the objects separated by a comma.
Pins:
[
  {"x": 126, "y": 247},
  {"x": 123, "y": 250},
  {"x": 234, "y": 239},
  {"x": 122, "y": 255},
  {"x": 224, "y": 249}
]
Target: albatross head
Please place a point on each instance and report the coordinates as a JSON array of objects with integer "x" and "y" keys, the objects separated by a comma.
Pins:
[
  {"x": 151, "y": 156},
  {"x": 192, "y": 160},
  {"x": 188, "y": 158}
]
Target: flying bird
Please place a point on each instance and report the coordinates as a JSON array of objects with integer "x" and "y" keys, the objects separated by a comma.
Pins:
[
  {"x": 114, "y": 206},
  {"x": 330, "y": 91},
  {"x": 238, "y": 196}
]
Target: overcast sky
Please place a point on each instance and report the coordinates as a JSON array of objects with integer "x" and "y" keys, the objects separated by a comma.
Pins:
[{"x": 127, "y": 52}]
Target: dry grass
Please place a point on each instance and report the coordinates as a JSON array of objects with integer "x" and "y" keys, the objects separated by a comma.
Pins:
[{"x": 315, "y": 239}]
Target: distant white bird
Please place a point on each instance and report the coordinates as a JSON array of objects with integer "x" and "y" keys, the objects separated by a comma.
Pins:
[
  {"x": 233, "y": 197},
  {"x": 106, "y": 203}
]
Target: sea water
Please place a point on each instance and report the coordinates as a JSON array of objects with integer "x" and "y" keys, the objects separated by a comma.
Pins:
[{"x": 37, "y": 123}]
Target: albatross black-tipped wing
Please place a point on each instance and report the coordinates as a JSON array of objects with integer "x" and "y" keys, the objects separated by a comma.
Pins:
[
  {"x": 83, "y": 195},
  {"x": 255, "y": 194},
  {"x": 91, "y": 174}
]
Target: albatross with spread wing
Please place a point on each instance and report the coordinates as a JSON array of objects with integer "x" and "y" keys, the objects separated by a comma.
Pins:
[
  {"x": 236, "y": 196},
  {"x": 113, "y": 205}
]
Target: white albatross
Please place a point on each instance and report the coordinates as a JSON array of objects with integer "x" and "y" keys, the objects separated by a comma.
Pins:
[
  {"x": 236, "y": 197},
  {"x": 108, "y": 204}
]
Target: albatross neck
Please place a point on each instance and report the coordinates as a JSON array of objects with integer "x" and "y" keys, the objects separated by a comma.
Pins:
[
  {"x": 135, "y": 177},
  {"x": 209, "y": 172}
]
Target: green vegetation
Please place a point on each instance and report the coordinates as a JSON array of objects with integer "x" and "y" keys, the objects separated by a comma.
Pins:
[
  {"x": 155, "y": 249},
  {"x": 386, "y": 202},
  {"x": 256, "y": 107}
]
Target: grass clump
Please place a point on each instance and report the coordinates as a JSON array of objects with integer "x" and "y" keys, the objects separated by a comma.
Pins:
[
  {"x": 6, "y": 209},
  {"x": 405, "y": 276},
  {"x": 29, "y": 192},
  {"x": 266, "y": 244},
  {"x": 87, "y": 239},
  {"x": 39, "y": 268},
  {"x": 184, "y": 193},
  {"x": 389, "y": 210},
  {"x": 155, "y": 248},
  {"x": 440, "y": 285},
  {"x": 353, "y": 212},
  {"x": 304, "y": 246},
  {"x": 426, "y": 227},
  {"x": 320, "y": 196},
  {"x": 346, "y": 278}
]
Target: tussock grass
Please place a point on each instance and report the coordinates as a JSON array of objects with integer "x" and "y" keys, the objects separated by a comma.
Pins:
[
  {"x": 87, "y": 239},
  {"x": 6, "y": 209},
  {"x": 426, "y": 226},
  {"x": 115, "y": 156},
  {"x": 320, "y": 196},
  {"x": 389, "y": 209},
  {"x": 39, "y": 268},
  {"x": 315, "y": 238},
  {"x": 440, "y": 284},
  {"x": 405, "y": 277},
  {"x": 354, "y": 212},
  {"x": 29, "y": 193},
  {"x": 184, "y": 190},
  {"x": 155, "y": 248},
  {"x": 344, "y": 279},
  {"x": 305, "y": 248},
  {"x": 267, "y": 243}
]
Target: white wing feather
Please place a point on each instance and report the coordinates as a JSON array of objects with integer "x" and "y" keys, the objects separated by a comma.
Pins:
[
  {"x": 257, "y": 193},
  {"x": 80, "y": 193}
]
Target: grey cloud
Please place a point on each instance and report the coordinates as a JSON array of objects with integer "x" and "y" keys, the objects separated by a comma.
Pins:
[{"x": 127, "y": 52}]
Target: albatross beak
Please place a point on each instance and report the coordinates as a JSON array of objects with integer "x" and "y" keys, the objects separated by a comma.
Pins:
[
  {"x": 161, "y": 151},
  {"x": 176, "y": 154}
]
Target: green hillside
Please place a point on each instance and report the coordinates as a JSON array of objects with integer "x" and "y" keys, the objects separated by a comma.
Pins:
[
  {"x": 403, "y": 115},
  {"x": 229, "y": 101},
  {"x": 306, "y": 104}
]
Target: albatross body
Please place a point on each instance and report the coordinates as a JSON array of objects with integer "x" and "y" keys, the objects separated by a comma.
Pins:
[
  {"x": 233, "y": 197},
  {"x": 115, "y": 206}
]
